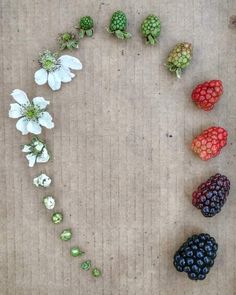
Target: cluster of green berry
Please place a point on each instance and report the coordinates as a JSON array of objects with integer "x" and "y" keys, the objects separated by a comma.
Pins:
[{"x": 69, "y": 40}]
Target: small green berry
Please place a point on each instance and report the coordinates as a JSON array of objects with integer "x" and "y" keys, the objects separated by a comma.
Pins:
[
  {"x": 151, "y": 29},
  {"x": 66, "y": 235},
  {"x": 86, "y": 265},
  {"x": 118, "y": 25},
  {"x": 76, "y": 252},
  {"x": 96, "y": 272},
  {"x": 85, "y": 26},
  {"x": 57, "y": 217}
]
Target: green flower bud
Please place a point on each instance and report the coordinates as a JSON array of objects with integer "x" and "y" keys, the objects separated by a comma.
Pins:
[
  {"x": 66, "y": 235},
  {"x": 96, "y": 272},
  {"x": 86, "y": 265},
  {"x": 49, "y": 202},
  {"x": 76, "y": 252},
  {"x": 57, "y": 217}
]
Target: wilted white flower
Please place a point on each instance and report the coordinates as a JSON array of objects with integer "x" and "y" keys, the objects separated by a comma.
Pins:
[
  {"x": 56, "y": 70},
  {"x": 49, "y": 202},
  {"x": 42, "y": 180},
  {"x": 37, "y": 152},
  {"x": 32, "y": 114}
]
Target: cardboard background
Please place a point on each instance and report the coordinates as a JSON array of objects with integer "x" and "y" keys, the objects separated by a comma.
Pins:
[{"x": 124, "y": 184}]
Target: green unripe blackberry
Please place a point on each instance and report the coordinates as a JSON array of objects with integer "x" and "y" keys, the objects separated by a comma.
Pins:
[
  {"x": 118, "y": 25},
  {"x": 151, "y": 29},
  {"x": 179, "y": 58},
  {"x": 85, "y": 26}
]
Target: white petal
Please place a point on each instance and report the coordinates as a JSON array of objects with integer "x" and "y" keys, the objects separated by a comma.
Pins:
[
  {"x": 34, "y": 127},
  {"x": 44, "y": 157},
  {"x": 20, "y": 97},
  {"x": 41, "y": 76},
  {"x": 21, "y": 125},
  {"x": 26, "y": 148},
  {"x": 42, "y": 180},
  {"x": 71, "y": 62},
  {"x": 40, "y": 102},
  {"x": 31, "y": 158},
  {"x": 46, "y": 120},
  {"x": 54, "y": 81},
  {"x": 64, "y": 74},
  {"x": 72, "y": 75},
  {"x": 15, "y": 111}
]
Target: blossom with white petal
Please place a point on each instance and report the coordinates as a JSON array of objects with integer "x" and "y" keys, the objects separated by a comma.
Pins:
[
  {"x": 42, "y": 180},
  {"x": 32, "y": 115},
  {"x": 56, "y": 70},
  {"x": 36, "y": 152}
]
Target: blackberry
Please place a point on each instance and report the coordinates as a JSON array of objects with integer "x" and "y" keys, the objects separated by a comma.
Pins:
[
  {"x": 151, "y": 29},
  {"x": 118, "y": 25},
  {"x": 211, "y": 195},
  {"x": 85, "y": 26},
  {"x": 196, "y": 256}
]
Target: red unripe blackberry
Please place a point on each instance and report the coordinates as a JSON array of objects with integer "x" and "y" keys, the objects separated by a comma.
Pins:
[
  {"x": 207, "y": 94},
  {"x": 209, "y": 143},
  {"x": 211, "y": 195}
]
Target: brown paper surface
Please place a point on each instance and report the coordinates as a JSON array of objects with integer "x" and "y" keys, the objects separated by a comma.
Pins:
[{"x": 122, "y": 169}]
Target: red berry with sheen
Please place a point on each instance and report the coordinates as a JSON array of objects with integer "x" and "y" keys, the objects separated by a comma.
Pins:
[
  {"x": 210, "y": 142},
  {"x": 207, "y": 94}
]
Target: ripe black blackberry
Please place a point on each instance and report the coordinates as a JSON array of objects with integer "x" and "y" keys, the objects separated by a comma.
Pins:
[
  {"x": 196, "y": 256},
  {"x": 211, "y": 195}
]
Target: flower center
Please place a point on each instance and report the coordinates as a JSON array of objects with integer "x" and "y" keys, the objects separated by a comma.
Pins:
[
  {"x": 49, "y": 61},
  {"x": 32, "y": 112}
]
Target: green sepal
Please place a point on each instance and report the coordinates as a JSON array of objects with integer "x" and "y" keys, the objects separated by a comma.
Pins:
[
  {"x": 81, "y": 34},
  {"x": 127, "y": 35},
  {"x": 151, "y": 40},
  {"x": 178, "y": 73},
  {"x": 89, "y": 33},
  {"x": 155, "y": 32},
  {"x": 120, "y": 35}
]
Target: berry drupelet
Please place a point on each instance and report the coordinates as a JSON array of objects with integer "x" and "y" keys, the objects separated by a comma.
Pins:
[
  {"x": 210, "y": 142},
  {"x": 207, "y": 94},
  {"x": 211, "y": 195},
  {"x": 196, "y": 256}
]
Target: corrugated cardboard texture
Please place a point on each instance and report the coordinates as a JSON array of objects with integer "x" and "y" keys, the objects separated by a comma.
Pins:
[{"x": 122, "y": 169}]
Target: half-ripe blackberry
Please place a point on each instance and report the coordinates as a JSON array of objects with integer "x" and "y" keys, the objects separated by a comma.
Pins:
[
  {"x": 211, "y": 195},
  {"x": 196, "y": 256}
]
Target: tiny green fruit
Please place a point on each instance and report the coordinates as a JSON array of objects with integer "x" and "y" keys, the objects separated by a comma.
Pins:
[
  {"x": 86, "y": 265},
  {"x": 76, "y": 252},
  {"x": 66, "y": 235},
  {"x": 118, "y": 25},
  {"x": 96, "y": 272},
  {"x": 151, "y": 29},
  {"x": 85, "y": 27},
  {"x": 57, "y": 217}
]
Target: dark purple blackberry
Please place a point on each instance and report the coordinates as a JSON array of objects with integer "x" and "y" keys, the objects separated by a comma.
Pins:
[
  {"x": 211, "y": 195},
  {"x": 196, "y": 256}
]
